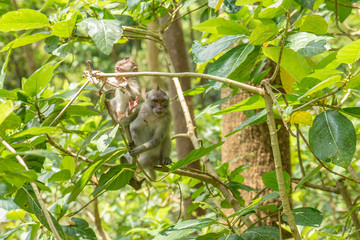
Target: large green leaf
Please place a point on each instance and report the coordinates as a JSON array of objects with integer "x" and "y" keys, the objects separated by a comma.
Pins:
[
  {"x": 183, "y": 229},
  {"x": 203, "y": 54},
  {"x": 34, "y": 131},
  {"x": 64, "y": 28},
  {"x": 194, "y": 155},
  {"x": 261, "y": 233},
  {"x": 104, "y": 32},
  {"x": 276, "y": 9},
  {"x": 23, "y": 19},
  {"x": 263, "y": 32},
  {"x": 221, "y": 26},
  {"x": 24, "y": 40},
  {"x": 307, "y": 216},
  {"x": 309, "y": 4},
  {"x": 269, "y": 179},
  {"x": 80, "y": 185},
  {"x": 116, "y": 178},
  {"x": 4, "y": 70},
  {"x": 342, "y": 11},
  {"x": 333, "y": 137},
  {"x": 106, "y": 138},
  {"x": 352, "y": 111},
  {"x": 257, "y": 118},
  {"x": 324, "y": 84},
  {"x": 5, "y": 108},
  {"x": 132, "y": 3},
  {"x": 227, "y": 63},
  {"x": 295, "y": 64},
  {"x": 42, "y": 153},
  {"x": 308, "y": 176},
  {"x": 313, "y": 24},
  {"x": 80, "y": 230},
  {"x": 350, "y": 53},
  {"x": 39, "y": 79},
  {"x": 308, "y": 44}
]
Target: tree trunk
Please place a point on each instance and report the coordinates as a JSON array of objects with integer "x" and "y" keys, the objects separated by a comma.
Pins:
[
  {"x": 174, "y": 40},
  {"x": 252, "y": 147}
]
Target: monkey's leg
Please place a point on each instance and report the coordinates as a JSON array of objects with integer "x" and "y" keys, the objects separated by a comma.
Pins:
[{"x": 128, "y": 136}]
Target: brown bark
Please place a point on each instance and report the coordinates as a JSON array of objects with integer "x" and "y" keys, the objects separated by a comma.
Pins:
[
  {"x": 174, "y": 41},
  {"x": 253, "y": 147}
]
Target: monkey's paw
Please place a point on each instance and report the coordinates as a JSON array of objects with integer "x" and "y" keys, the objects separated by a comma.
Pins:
[
  {"x": 165, "y": 161},
  {"x": 135, "y": 151},
  {"x": 131, "y": 145}
]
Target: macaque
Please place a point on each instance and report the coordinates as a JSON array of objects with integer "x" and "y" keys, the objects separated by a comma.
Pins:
[
  {"x": 126, "y": 97},
  {"x": 151, "y": 132}
]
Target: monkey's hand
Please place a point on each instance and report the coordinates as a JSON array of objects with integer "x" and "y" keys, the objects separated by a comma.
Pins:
[
  {"x": 165, "y": 161},
  {"x": 131, "y": 145},
  {"x": 137, "y": 150},
  {"x": 133, "y": 104}
]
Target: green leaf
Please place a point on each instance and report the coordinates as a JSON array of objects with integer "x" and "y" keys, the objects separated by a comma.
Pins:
[
  {"x": 313, "y": 24},
  {"x": 80, "y": 185},
  {"x": 263, "y": 32},
  {"x": 269, "y": 179},
  {"x": 324, "y": 84},
  {"x": 39, "y": 79},
  {"x": 4, "y": 70},
  {"x": 117, "y": 177},
  {"x": 6, "y": 109},
  {"x": 221, "y": 26},
  {"x": 104, "y": 32},
  {"x": 63, "y": 50},
  {"x": 306, "y": 216},
  {"x": 203, "y": 54},
  {"x": 23, "y": 19},
  {"x": 244, "y": 2},
  {"x": 259, "y": 117},
  {"x": 252, "y": 102},
  {"x": 342, "y": 11},
  {"x": 276, "y": 9},
  {"x": 241, "y": 73},
  {"x": 295, "y": 64},
  {"x": 308, "y": 176},
  {"x": 132, "y": 3},
  {"x": 333, "y": 137},
  {"x": 25, "y": 40},
  {"x": 35, "y": 131},
  {"x": 183, "y": 229},
  {"x": 308, "y": 44},
  {"x": 309, "y": 4},
  {"x": 228, "y": 63},
  {"x": 106, "y": 138},
  {"x": 60, "y": 176},
  {"x": 68, "y": 163},
  {"x": 212, "y": 107},
  {"x": 352, "y": 111},
  {"x": 194, "y": 155},
  {"x": 261, "y": 233},
  {"x": 196, "y": 90},
  {"x": 350, "y": 53},
  {"x": 80, "y": 230},
  {"x": 42, "y": 153},
  {"x": 64, "y": 28}
]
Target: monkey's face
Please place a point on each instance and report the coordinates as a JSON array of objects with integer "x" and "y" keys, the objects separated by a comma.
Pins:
[{"x": 158, "y": 101}]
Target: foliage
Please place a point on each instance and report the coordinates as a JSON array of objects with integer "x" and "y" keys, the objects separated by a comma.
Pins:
[{"x": 72, "y": 157}]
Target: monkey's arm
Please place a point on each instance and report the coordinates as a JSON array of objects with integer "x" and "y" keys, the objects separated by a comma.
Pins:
[
  {"x": 159, "y": 136},
  {"x": 133, "y": 88}
]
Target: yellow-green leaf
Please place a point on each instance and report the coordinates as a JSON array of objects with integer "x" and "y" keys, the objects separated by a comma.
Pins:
[
  {"x": 64, "y": 28},
  {"x": 24, "y": 40},
  {"x": 350, "y": 53},
  {"x": 16, "y": 214},
  {"x": 301, "y": 117},
  {"x": 5, "y": 108},
  {"x": 287, "y": 80},
  {"x": 23, "y": 19},
  {"x": 312, "y": 24}
]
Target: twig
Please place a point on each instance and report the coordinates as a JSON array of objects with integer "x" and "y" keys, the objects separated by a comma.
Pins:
[
  {"x": 316, "y": 186},
  {"x": 299, "y": 153},
  {"x": 36, "y": 191},
  {"x": 201, "y": 6},
  {"x": 337, "y": 21},
  {"x": 243, "y": 86},
  {"x": 344, "y": 5},
  {"x": 278, "y": 167},
  {"x": 349, "y": 205},
  {"x": 348, "y": 92},
  {"x": 321, "y": 162}
]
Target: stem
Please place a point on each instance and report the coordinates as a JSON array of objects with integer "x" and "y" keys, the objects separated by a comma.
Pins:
[
  {"x": 278, "y": 167},
  {"x": 36, "y": 191},
  {"x": 240, "y": 85}
]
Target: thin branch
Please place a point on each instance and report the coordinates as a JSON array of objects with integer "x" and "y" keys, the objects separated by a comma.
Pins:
[
  {"x": 201, "y": 6},
  {"x": 278, "y": 167},
  {"x": 337, "y": 21},
  {"x": 36, "y": 191},
  {"x": 240, "y": 85},
  {"x": 349, "y": 205},
  {"x": 344, "y": 5},
  {"x": 319, "y": 98},
  {"x": 299, "y": 153},
  {"x": 318, "y": 187}
]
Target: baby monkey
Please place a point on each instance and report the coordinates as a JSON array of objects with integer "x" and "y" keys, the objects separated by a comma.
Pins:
[
  {"x": 126, "y": 97},
  {"x": 151, "y": 131}
]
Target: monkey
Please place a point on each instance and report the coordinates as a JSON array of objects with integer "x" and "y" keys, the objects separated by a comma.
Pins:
[{"x": 151, "y": 132}]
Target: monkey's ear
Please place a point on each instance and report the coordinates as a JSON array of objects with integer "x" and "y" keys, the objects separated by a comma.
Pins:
[
  {"x": 158, "y": 87},
  {"x": 127, "y": 58},
  {"x": 135, "y": 69}
]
